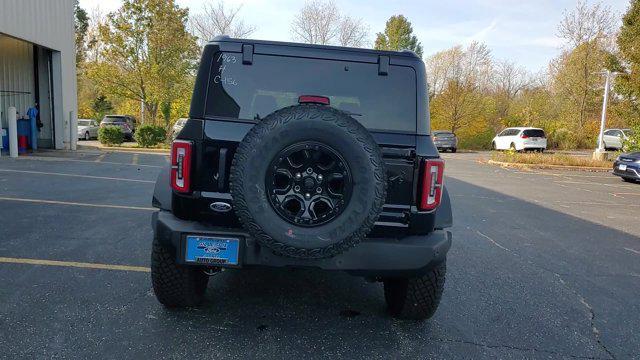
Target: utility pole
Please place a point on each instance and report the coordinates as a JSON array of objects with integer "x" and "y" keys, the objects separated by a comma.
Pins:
[
  {"x": 609, "y": 76},
  {"x": 141, "y": 111}
]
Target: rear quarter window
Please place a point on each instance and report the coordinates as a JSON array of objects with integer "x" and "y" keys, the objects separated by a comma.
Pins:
[{"x": 251, "y": 92}]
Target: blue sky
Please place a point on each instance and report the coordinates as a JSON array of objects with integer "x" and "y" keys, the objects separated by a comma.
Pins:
[{"x": 521, "y": 31}]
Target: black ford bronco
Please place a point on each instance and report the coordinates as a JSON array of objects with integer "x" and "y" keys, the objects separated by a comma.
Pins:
[{"x": 305, "y": 156}]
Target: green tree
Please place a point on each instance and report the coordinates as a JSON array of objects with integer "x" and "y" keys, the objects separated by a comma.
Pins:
[
  {"x": 101, "y": 106},
  {"x": 81, "y": 24},
  {"x": 147, "y": 55},
  {"x": 628, "y": 85},
  {"x": 398, "y": 35}
]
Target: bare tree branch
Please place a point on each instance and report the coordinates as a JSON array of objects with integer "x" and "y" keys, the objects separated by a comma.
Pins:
[
  {"x": 317, "y": 22},
  {"x": 352, "y": 32},
  {"x": 216, "y": 19}
]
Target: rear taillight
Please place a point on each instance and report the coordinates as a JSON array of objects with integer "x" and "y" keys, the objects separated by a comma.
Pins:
[
  {"x": 432, "y": 183},
  {"x": 181, "y": 165},
  {"x": 523, "y": 136}
]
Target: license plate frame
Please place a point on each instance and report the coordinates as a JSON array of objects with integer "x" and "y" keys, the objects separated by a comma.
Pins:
[{"x": 210, "y": 250}]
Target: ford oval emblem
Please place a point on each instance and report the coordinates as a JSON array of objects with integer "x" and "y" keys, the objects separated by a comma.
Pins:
[{"x": 220, "y": 206}]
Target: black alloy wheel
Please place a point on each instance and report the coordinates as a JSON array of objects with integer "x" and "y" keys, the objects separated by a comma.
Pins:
[{"x": 309, "y": 184}]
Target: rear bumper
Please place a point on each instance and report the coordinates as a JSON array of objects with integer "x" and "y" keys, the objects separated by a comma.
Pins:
[
  {"x": 375, "y": 257},
  {"x": 534, "y": 145},
  {"x": 446, "y": 144}
]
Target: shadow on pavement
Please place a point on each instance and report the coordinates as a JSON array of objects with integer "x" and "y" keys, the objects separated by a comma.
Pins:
[{"x": 523, "y": 281}]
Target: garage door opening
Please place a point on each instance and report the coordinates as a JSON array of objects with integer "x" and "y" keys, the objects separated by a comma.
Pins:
[{"x": 26, "y": 82}]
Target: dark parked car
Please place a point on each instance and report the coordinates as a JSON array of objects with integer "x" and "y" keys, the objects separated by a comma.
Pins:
[
  {"x": 126, "y": 122},
  {"x": 305, "y": 156},
  {"x": 627, "y": 166},
  {"x": 445, "y": 140}
]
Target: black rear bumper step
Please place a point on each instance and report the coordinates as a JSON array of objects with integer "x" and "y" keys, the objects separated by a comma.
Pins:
[{"x": 374, "y": 257}]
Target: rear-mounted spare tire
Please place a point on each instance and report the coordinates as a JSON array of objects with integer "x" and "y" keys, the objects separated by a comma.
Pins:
[{"x": 308, "y": 181}]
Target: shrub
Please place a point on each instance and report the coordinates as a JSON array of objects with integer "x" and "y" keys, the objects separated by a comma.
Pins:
[
  {"x": 548, "y": 159},
  {"x": 150, "y": 135},
  {"x": 633, "y": 142},
  {"x": 110, "y": 135}
]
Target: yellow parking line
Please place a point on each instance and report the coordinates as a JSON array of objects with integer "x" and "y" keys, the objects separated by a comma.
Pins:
[
  {"x": 75, "y": 264},
  {"x": 134, "y": 160},
  {"x": 40, "y": 201},
  {"x": 76, "y": 175},
  {"x": 100, "y": 157}
]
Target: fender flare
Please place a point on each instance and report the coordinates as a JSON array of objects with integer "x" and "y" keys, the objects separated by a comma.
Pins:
[
  {"x": 162, "y": 192},
  {"x": 444, "y": 215}
]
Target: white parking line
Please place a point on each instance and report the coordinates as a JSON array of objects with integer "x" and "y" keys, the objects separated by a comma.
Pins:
[
  {"x": 134, "y": 159},
  {"x": 54, "y": 202},
  {"x": 40, "y": 158},
  {"x": 76, "y": 175}
]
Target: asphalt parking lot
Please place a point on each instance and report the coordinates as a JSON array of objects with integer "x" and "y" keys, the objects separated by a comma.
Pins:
[{"x": 544, "y": 264}]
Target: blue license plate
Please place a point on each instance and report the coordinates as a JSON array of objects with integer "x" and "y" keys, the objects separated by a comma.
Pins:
[{"x": 212, "y": 250}]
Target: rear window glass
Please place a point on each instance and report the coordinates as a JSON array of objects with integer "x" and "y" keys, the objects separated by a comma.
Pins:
[
  {"x": 444, "y": 134},
  {"x": 534, "y": 133},
  {"x": 113, "y": 120},
  {"x": 252, "y": 92}
]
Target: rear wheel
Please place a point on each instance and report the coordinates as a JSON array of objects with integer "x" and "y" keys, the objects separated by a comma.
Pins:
[
  {"x": 493, "y": 146},
  {"x": 87, "y": 137},
  {"x": 453, "y": 150},
  {"x": 512, "y": 147},
  {"x": 415, "y": 298},
  {"x": 175, "y": 285}
]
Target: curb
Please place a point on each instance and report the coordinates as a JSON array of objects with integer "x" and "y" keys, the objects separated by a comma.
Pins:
[
  {"x": 548, "y": 166},
  {"x": 123, "y": 149}
]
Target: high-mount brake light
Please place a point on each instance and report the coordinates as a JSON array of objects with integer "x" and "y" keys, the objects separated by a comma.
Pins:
[
  {"x": 181, "y": 165},
  {"x": 313, "y": 99},
  {"x": 432, "y": 184}
]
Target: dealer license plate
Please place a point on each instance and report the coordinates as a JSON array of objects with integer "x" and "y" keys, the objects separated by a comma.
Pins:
[{"x": 212, "y": 250}]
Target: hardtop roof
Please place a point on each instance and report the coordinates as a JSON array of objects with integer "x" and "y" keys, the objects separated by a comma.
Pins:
[{"x": 403, "y": 53}]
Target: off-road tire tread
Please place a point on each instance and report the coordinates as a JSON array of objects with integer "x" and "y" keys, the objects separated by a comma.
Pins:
[
  {"x": 175, "y": 285},
  {"x": 415, "y": 298},
  {"x": 279, "y": 118}
]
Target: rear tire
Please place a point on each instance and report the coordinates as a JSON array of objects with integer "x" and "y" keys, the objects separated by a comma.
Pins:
[
  {"x": 175, "y": 285},
  {"x": 415, "y": 298},
  {"x": 493, "y": 146},
  {"x": 453, "y": 150},
  {"x": 512, "y": 147},
  {"x": 87, "y": 137}
]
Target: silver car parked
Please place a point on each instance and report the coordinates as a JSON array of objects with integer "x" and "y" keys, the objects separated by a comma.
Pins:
[
  {"x": 87, "y": 129},
  {"x": 445, "y": 140},
  {"x": 614, "y": 138}
]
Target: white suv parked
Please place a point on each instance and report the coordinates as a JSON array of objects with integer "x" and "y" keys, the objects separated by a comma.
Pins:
[{"x": 520, "y": 138}]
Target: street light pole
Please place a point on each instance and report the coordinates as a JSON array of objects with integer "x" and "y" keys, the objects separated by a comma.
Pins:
[{"x": 609, "y": 76}]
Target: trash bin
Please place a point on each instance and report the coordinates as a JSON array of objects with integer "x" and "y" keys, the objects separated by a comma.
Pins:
[
  {"x": 22, "y": 144},
  {"x": 24, "y": 129}
]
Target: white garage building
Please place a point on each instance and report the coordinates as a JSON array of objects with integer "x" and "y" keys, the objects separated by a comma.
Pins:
[{"x": 37, "y": 65}]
